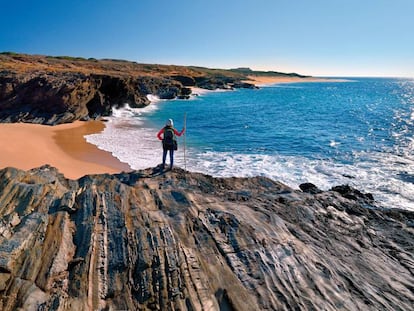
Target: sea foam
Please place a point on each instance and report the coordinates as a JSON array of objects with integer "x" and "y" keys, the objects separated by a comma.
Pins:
[{"x": 128, "y": 138}]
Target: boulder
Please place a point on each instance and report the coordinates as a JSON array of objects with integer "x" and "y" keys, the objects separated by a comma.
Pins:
[{"x": 309, "y": 188}]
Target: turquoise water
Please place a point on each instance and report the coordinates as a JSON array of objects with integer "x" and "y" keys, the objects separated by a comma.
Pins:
[{"x": 358, "y": 132}]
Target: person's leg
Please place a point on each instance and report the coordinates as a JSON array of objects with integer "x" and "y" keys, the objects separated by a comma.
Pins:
[
  {"x": 171, "y": 158},
  {"x": 164, "y": 156}
]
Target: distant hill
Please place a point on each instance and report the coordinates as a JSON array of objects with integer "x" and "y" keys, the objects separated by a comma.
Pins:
[{"x": 26, "y": 63}]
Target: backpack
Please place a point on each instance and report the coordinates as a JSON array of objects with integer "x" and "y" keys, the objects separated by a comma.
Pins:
[{"x": 169, "y": 141}]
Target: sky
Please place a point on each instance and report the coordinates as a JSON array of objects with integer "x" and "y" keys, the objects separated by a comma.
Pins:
[{"x": 311, "y": 37}]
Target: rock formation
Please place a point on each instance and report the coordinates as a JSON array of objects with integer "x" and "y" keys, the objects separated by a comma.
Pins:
[
  {"x": 149, "y": 240},
  {"x": 48, "y": 90},
  {"x": 50, "y": 98}
]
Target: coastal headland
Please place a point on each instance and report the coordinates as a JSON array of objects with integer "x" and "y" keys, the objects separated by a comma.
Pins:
[
  {"x": 56, "y": 90},
  {"x": 80, "y": 231}
]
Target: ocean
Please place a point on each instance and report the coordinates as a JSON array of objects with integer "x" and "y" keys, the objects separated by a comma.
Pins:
[{"x": 358, "y": 132}]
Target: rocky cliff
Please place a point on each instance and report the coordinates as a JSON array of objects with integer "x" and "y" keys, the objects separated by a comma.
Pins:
[
  {"x": 149, "y": 240},
  {"x": 53, "y": 90}
]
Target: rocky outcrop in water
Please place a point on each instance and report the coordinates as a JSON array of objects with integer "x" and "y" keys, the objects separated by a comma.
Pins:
[{"x": 149, "y": 240}]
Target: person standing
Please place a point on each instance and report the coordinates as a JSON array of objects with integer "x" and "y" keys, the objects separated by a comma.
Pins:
[{"x": 168, "y": 135}]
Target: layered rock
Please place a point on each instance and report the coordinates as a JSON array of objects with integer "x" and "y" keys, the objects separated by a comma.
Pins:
[{"x": 149, "y": 240}]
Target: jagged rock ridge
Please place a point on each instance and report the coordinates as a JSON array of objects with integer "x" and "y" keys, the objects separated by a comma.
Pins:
[{"x": 149, "y": 240}]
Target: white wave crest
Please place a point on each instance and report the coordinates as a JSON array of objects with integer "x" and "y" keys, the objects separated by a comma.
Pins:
[{"x": 389, "y": 177}]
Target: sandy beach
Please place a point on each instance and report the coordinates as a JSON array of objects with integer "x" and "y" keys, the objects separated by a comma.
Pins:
[
  {"x": 263, "y": 80},
  {"x": 26, "y": 146}
]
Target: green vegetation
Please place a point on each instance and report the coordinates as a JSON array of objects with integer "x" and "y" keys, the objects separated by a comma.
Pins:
[
  {"x": 71, "y": 58},
  {"x": 10, "y": 53},
  {"x": 116, "y": 60}
]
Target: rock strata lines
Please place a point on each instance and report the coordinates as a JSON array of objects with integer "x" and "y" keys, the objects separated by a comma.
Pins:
[{"x": 187, "y": 241}]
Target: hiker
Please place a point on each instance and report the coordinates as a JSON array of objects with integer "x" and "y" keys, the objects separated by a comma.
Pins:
[{"x": 169, "y": 141}]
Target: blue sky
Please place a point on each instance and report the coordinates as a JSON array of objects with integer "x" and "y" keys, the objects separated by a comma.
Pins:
[{"x": 314, "y": 37}]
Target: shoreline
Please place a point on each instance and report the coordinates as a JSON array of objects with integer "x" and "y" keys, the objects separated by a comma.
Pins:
[
  {"x": 27, "y": 146},
  {"x": 266, "y": 81}
]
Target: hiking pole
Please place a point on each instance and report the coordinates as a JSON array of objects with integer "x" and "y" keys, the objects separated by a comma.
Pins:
[{"x": 185, "y": 134}]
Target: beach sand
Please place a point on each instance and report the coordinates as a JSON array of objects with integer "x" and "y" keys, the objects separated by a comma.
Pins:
[
  {"x": 263, "y": 80},
  {"x": 26, "y": 146}
]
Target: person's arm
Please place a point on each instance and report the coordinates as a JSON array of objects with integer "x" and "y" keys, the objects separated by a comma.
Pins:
[
  {"x": 179, "y": 133},
  {"x": 160, "y": 133}
]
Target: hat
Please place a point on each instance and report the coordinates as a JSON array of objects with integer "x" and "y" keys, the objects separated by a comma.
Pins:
[{"x": 170, "y": 122}]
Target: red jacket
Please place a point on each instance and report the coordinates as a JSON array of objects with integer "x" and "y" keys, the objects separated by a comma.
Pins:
[{"x": 175, "y": 132}]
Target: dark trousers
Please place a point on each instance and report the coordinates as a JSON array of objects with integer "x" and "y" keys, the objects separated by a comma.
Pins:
[{"x": 164, "y": 157}]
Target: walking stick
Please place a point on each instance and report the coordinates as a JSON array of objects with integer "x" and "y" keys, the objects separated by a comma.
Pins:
[{"x": 185, "y": 134}]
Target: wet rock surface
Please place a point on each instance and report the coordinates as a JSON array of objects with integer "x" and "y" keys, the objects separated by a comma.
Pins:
[{"x": 153, "y": 240}]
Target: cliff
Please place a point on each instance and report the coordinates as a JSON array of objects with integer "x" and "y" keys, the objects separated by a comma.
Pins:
[
  {"x": 148, "y": 240},
  {"x": 53, "y": 90}
]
